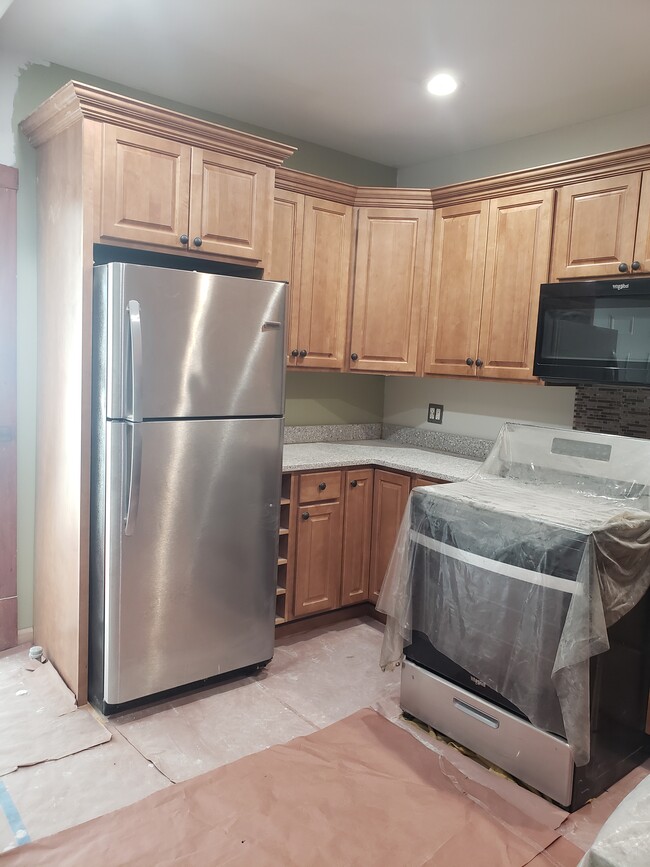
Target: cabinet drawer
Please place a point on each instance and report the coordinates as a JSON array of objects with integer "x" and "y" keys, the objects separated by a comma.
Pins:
[{"x": 317, "y": 487}]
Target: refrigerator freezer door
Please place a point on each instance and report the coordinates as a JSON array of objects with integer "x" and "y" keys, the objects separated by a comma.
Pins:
[
  {"x": 190, "y": 593},
  {"x": 183, "y": 344}
]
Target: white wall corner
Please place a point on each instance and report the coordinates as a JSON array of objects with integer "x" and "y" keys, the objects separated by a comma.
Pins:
[{"x": 10, "y": 69}]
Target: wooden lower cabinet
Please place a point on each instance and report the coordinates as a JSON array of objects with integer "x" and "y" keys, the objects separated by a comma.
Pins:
[
  {"x": 391, "y": 493},
  {"x": 357, "y": 528},
  {"x": 318, "y": 558}
]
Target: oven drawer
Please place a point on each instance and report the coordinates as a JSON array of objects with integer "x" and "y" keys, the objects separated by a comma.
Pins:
[{"x": 541, "y": 760}]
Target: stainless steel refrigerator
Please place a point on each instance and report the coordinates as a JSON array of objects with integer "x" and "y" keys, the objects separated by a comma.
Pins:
[{"x": 188, "y": 402}]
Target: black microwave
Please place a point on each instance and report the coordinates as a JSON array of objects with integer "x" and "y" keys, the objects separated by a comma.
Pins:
[{"x": 597, "y": 331}]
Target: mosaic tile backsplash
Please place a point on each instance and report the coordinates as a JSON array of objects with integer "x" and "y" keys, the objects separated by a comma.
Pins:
[{"x": 613, "y": 410}]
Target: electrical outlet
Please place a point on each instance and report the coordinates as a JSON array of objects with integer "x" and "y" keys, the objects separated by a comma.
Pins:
[{"x": 435, "y": 413}]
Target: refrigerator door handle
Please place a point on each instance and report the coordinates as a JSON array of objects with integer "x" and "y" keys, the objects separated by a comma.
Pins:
[
  {"x": 135, "y": 473},
  {"x": 135, "y": 332}
]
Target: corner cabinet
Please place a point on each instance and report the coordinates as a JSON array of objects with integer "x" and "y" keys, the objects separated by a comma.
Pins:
[
  {"x": 602, "y": 228},
  {"x": 115, "y": 171},
  {"x": 393, "y": 256},
  {"x": 489, "y": 260}
]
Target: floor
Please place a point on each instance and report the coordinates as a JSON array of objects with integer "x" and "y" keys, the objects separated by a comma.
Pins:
[{"x": 314, "y": 679}]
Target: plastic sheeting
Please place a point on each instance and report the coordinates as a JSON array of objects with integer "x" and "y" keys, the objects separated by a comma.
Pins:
[
  {"x": 624, "y": 839},
  {"x": 517, "y": 573}
]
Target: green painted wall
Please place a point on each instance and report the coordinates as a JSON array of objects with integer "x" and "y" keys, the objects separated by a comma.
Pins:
[
  {"x": 35, "y": 84},
  {"x": 333, "y": 398}
]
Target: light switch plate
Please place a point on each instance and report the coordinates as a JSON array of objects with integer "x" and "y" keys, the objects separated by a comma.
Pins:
[{"x": 435, "y": 413}]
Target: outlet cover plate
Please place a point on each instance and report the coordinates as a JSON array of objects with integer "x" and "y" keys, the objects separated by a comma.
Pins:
[{"x": 435, "y": 413}]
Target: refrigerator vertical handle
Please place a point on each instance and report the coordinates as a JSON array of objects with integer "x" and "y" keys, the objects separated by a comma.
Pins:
[
  {"x": 135, "y": 333},
  {"x": 135, "y": 472}
]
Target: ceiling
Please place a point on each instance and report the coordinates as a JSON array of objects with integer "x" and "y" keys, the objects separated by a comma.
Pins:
[{"x": 350, "y": 74}]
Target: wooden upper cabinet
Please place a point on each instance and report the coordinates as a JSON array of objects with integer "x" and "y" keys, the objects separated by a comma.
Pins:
[
  {"x": 642, "y": 243},
  {"x": 323, "y": 294},
  {"x": 231, "y": 205},
  {"x": 459, "y": 248},
  {"x": 390, "y": 496},
  {"x": 595, "y": 227},
  {"x": 286, "y": 256},
  {"x": 145, "y": 188},
  {"x": 518, "y": 254},
  {"x": 392, "y": 269}
]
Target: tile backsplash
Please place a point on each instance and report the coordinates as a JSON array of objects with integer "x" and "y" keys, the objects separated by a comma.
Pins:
[{"x": 612, "y": 409}]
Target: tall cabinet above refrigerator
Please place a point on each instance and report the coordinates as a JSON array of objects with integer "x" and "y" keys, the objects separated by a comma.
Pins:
[{"x": 188, "y": 409}]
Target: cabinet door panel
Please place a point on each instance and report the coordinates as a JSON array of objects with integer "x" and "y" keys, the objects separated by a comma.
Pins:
[
  {"x": 323, "y": 301},
  {"x": 595, "y": 224},
  {"x": 230, "y": 206},
  {"x": 459, "y": 243},
  {"x": 392, "y": 269},
  {"x": 318, "y": 558},
  {"x": 518, "y": 253},
  {"x": 145, "y": 188},
  {"x": 642, "y": 244},
  {"x": 357, "y": 531},
  {"x": 286, "y": 255},
  {"x": 391, "y": 493}
]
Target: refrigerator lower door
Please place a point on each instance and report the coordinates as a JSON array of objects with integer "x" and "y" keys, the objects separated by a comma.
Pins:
[{"x": 189, "y": 592}]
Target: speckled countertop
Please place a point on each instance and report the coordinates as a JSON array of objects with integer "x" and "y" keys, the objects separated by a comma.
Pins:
[{"x": 406, "y": 459}]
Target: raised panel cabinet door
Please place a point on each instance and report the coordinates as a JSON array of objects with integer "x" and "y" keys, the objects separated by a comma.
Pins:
[
  {"x": 318, "y": 558},
  {"x": 145, "y": 188},
  {"x": 286, "y": 257},
  {"x": 518, "y": 255},
  {"x": 595, "y": 225},
  {"x": 642, "y": 243},
  {"x": 231, "y": 206},
  {"x": 357, "y": 533},
  {"x": 392, "y": 269},
  {"x": 391, "y": 493},
  {"x": 459, "y": 246},
  {"x": 323, "y": 294}
]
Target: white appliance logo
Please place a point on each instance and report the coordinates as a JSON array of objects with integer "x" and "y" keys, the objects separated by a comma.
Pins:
[{"x": 621, "y": 286}]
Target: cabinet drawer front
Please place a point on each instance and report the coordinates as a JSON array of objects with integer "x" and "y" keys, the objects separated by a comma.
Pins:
[{"x": 318, "y": 487}]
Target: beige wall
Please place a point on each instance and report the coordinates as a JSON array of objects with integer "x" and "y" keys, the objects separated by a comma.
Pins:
[
  {"x": 28, "y": 87},
  {"x": 333, "y": 398},
  {"x": 475, "y": 408}
]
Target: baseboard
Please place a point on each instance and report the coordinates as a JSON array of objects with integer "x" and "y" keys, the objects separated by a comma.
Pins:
[
  {"x": 26, "y": 635},
  {"x": 324, "y": 620}
]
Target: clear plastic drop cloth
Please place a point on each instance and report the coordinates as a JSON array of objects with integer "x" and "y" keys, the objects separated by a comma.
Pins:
[
  {"x": 516, "y": 573},
  {"x": 624, "y": 839}
]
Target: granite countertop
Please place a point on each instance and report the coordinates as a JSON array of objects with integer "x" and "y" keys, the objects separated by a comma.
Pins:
[{"x": 392, "y": 456}]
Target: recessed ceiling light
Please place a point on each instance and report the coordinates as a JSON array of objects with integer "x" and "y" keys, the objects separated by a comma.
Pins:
[{"x": 442, "y": 84}]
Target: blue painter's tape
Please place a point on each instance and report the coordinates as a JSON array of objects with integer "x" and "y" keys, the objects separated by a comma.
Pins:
[{"x": 13, "y": 817}]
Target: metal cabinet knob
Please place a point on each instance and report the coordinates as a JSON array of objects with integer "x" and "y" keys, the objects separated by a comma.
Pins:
[
  {"x": 622, "y": 267},
  {"x": 302, "y": 353},
  {"x": 197, "y": 242},
  {"x": 295, "y": 353},
  {"x": 354, "y": 356},
  {"x": 322, "y": 486},
  {"x": 305, "y": 516},
  {"x": 469, "y": 362},
  {"x": 184, "y": 239},
  {"x": 354, "y": 483},
  {"x": 479, "y": 363},
  {"x": 636, "y": 265}
]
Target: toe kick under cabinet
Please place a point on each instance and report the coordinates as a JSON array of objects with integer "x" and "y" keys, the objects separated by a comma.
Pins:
[{"x": 338, "y": 528}]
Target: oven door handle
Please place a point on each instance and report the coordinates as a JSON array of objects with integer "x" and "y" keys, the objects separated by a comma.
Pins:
[{"x": 476, "y": 714}]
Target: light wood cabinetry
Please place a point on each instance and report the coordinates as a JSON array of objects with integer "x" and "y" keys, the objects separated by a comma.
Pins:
[
  {"x": 392, "y": 270},
  {"x": 357, "y": 530},
  {"x": 312, "y": 249},
  {"x": 163, "y": 193},
  {"x": 318, "y": 549},
  {"x": 596, "y": 228},
  {"x": 390, "y": 498},
  {"x": 488, "y": 263}
]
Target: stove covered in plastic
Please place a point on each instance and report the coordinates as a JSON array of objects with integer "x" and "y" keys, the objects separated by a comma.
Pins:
[{"x": 519, "y": 599}]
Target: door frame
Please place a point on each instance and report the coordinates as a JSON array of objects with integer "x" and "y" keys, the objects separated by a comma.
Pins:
[{"x": 8, "y": 283}]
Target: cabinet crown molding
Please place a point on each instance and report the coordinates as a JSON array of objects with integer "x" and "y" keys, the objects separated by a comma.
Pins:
[
  {"x": 314, "y": 185},
  {"x": 76, "y": 101}
]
